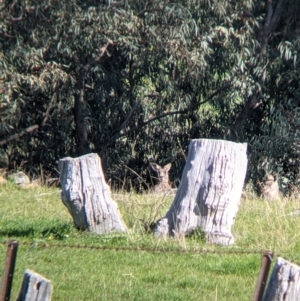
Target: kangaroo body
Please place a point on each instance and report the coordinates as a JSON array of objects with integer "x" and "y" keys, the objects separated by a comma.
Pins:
[
  {"x": 270, "y": 190},
  {"x": 163, "y": 185}
]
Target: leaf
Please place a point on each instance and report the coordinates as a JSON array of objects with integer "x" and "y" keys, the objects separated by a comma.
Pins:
[{"x": 58, "y": 44}]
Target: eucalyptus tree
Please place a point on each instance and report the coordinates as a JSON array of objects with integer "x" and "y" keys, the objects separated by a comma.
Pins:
[
  {"x": 133, "y": 80},
  {"x": 116, "y": 69}
]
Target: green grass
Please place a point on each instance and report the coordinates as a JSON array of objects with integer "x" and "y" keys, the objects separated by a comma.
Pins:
[{"x": 40, "y": 222}]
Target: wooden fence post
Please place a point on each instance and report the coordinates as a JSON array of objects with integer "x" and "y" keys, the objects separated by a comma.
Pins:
[
  {"x": 263, "y": 275},
  {"x": 284, "y": 283},
  {"x": 9, "y": 268},
  {"x": 35, "y": 287}
]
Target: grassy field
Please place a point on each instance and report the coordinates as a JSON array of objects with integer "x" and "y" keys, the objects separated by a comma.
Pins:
[{"x": 39, "y": 221}]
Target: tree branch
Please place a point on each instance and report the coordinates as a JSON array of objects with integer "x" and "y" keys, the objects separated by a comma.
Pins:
[
  {"x": 19, "y": 135},
  {"x": 96, "y": 60},
  {"x": 219, "y": 90},
  {"x": 18, "y": 19},
  {"x": 251, "y": 104},
  {"x": 119, "y": 134},
  {"x": 141, "y": 125},
  {"x": 153, "y": 119},
  {"x": 34, "y": 127},
  {"x": 271, "y": 22},
  {"x": 276, "y": 15}
]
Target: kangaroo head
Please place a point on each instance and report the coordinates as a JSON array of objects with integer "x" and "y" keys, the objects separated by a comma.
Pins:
[
  {"x": 162, "y": 172},
  {"x": 269, "y": 180}
]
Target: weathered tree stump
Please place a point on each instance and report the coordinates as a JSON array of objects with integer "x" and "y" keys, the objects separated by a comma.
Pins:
[
  {"x": 87, "y": 196},
  {"x": 209, "y": 193},
  {"x": 35, "y": 287},
  {"x": 284, "y": 283}
]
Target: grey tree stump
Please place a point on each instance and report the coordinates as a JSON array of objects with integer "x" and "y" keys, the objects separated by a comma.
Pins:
[
  {"x": 35, "y": 287},
  {"x": 209, "y": 193},
  {"x": 284, "y": 283},
  {"x": 87, "y": 196}
]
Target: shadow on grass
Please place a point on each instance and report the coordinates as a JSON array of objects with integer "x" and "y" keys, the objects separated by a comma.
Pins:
[
  {"x": 18, "y": 233},
  {"x": 58, "y": 230}
]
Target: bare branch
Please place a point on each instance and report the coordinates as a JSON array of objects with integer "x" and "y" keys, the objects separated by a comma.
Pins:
[
  {"x": 126, "y": 121},
  {"x": 19, "y": 135},
  {"x": 31, "y": 128},
  {"x": 18, "y": 19},
  {"x": 219, "y": 90},
  {"x": 96, "y": 60},
  {"x": 120, "y": 134}
]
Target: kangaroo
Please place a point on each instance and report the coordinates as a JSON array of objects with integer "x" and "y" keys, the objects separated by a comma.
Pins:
[
  {"x": 270, "y": 190},
  {"x": 163, "y": 178}
]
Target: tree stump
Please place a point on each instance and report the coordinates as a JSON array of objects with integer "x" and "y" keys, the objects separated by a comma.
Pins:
[
  {"x": 284, "y": 283},
  {"x": 87, "y": 196},
  {"x": 35, "y": 287},
  {"x": 209, "y": 193}
]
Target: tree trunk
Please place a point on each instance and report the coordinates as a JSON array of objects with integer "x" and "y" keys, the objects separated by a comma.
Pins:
[
  {"x": 87, "y": 196},
  {"x": 272, "y": 19},
  {"x": 35, "y": 287},
  {"x": 284, "y": 283},
  {"x": 79, "y": 117},
  {"x": 81, "y": 130},
  {"x": 209, "y": 193}
]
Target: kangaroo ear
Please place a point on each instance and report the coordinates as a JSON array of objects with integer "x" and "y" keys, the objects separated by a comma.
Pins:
[
  {"x": 155, "y": 167},
  {"x": 168, "y": 167}
]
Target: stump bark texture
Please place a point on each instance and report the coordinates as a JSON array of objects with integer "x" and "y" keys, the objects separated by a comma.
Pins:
[
  {"x": 209, "y": 193},
  {"x": 35, "y": 287},
  {"x": 284, "y": 283},
  {"x": 87, "y": 196}
]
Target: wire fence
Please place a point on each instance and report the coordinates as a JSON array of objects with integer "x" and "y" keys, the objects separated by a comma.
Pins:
[
  {"x": 154, "y": 249},
  {"x": 267, "y": 258},
  {"x": 144, "y": 249}
]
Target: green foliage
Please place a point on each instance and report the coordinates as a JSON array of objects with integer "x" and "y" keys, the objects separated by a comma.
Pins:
[
  {"x": 276, "y": 151},
  {"x": 136, "y": 81}
]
